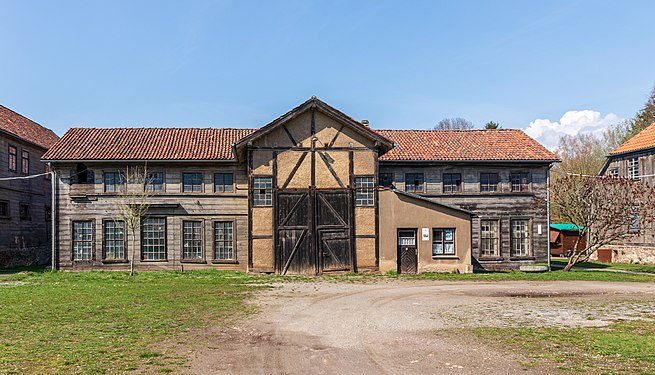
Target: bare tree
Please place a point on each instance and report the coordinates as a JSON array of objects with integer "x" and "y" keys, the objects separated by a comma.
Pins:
[
  {"x": 456, "y": 123},
  {"x": 607, "y": 209},
  {"x": 132, "y": 203}
]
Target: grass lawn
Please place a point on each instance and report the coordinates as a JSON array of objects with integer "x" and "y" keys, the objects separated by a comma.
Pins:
[
  {"x": 648, "y": 268},
  {"x": 623, "y": 347},
  {"x": 107, "y": 322}
]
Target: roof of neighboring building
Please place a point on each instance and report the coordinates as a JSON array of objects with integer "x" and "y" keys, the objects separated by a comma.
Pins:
[
  {"x": 146, "y": 144},
  {"x": 428, "y": 200},
  {"x": 24, "y": 128},
  {"x": 644, "y": 139},
  {"x": 463, "y": 145},
  {"x": 565, "y": 227}
]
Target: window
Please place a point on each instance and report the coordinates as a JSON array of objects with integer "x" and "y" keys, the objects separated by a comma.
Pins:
[
  {"x": 364, "y": 191},
  {"x": 48, "y": 213},
  {"x": 4, "y": 209},
  {"x": 114, "y": 240},
  {"x": 154, "y": 181},
  {"x": 223, "y": 182},
  {"x": 452, "y": 182},
  {"x": 520, "y": 237},
  {"x": 614, "y": 172},
  {"x": 489, "y": 238},
  {"x": 443, "y": 242},
  {"x": 25, "y": 162},
  {"x": 223, "y": 240},
  {"x": 24, "y": 211},
  {"x": 414, "y": 182},
  {"x": 633, "y": 168},
  {"x": 82, "y": 175},
  {"x": 520, "y": 181},
  {"x": 82, "y": 240},
  {"x": 386, "y": 179},
  {"x": 192, "y": 182},
  {"x": 13, "y": 158},
  {"x": 635, "y": 223},
  {"x": 262, "y": 191},
  {"x": 114, "y": 181},
  {"x": 192, "y": 240},
  {"x": 153, "y": 238},
  {"x": 488, "y": 182}
]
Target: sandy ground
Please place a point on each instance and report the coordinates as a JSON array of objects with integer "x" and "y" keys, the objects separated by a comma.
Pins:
[{"x": 407, "y": 327}]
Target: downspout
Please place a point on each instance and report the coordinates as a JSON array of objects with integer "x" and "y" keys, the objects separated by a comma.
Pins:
[
  {"x": 548, "y": 210},
  {"x": 53, "y": 178}
]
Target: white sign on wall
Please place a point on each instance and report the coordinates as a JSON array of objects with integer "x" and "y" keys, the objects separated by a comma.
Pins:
[{"x": 425, "y": 234}]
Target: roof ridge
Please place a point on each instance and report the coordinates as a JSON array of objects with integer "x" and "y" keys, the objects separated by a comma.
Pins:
[{"x": 453, "y": 130}]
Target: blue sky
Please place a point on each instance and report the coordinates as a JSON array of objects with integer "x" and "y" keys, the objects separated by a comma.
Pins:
[{"x": 402, "y": 64}]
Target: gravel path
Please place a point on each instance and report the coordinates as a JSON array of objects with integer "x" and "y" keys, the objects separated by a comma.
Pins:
[{"x": 404, "y": 326}]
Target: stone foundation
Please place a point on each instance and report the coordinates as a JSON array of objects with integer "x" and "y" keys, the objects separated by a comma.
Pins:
[{"x": 630, "y": 254}]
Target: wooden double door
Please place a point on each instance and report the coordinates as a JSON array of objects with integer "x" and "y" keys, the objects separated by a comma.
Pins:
[{"x": 313, "y": 231}]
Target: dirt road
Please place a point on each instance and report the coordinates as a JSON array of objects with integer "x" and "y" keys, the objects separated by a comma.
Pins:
[{"x": 407, "y": 327}]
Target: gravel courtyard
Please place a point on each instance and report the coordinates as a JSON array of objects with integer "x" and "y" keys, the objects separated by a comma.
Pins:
[{"x": 410, "y": 327}]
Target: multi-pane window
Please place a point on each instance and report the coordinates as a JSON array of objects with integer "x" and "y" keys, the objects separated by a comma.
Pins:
[
  {"x": 488, "y": 182},
  {"x": 154, "y": 181},
  {"x": 153, "y": 238},
  {"x": 443, "y": 242},
  {"x": 364, "y": 191},
  {"x": 24, "y": 211},
  {"x": 113, "y": 232},
  {"x": 262, "y": 191},
  {"x": 489, "y": 238},
  {"x": 633, "y": 168},
  {"x": 82, "y": 240},
  {"x": 386, "y": 179},
  {"x": 25, "y": 162},
  {"x": 223, "y": 182},
  {"x": 520, "y": 229},
  {"x": 520, "y": 181},
  {"x": 13, "y": 158},
  {"x": 191, "y": 240},
  {"x": 452, "y": 182},
  {"x": 114, "y": 181},
  {"x": 223, "y": 240},
  {"x": 614, "y": 172},
  {"x": 414, "y": 182},
  {"x": 4, "y": 209},
  {"x": 192, "y": 182}
]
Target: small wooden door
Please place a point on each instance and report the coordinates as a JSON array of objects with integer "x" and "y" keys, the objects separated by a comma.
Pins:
[{"x": 407, "y": 254}]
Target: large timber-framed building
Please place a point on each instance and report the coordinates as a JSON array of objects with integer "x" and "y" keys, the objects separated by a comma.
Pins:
[{"x": 312, "y": 192}]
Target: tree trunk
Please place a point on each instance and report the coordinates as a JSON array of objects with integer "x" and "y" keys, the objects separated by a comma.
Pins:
[
  {"x": 132, "y": 257},
  {"x": 568, "y": 267}
]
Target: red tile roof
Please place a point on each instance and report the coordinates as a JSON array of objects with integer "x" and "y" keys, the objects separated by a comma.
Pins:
[
  {"x": 146, "y": 144},
  {"x": 22, "y": 127},
  {"x": 644, "y": 139},
  {"x": 456, "y": 145}
]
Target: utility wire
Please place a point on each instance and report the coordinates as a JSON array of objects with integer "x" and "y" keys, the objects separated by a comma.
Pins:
[{"x": 24, "y": 177}]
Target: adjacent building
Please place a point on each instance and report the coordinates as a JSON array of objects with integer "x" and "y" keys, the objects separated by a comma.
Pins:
[
  {"x": 312, "y": 192},
  {"x": 25, "y": 203},
  {"x": 634, "y": 159}
]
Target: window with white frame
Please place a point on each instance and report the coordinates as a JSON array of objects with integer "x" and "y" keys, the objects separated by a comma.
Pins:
[
  {"x": 153, "y": 238},
  {"x": 114, "y": 239},
  {"x": 82, "y": 240},
  {"x": 489, "y": 238},
  {"x": 443, "y": 241},
  {"x": 262, "y": 191},
  {"x": 488, "y": 182},
  {"x": 633, "y": 167},
  {"x": 191, "y": 182},
  {"x": 154, "y": 182},
  {"x": 520, "y": 240},
  {"x": 114, "y": 181},
  {"x": 614, "y": 172},
  {"x": 224, "y": 240},
  {"x": 223, "y": 182},
  {"x": 191, "y": 240},
  {"x": 364, "y": 191},
  {"x": 520, "y": 181},
  {"x": 414, "y": 182}
]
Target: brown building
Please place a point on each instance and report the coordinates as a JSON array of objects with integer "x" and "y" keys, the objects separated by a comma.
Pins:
[
  {"x": 563, "y": 238},
  {"x": 634, "y": 159},
  {"x": 25, "y": 203},
  {"x": 312, "y": 192}
]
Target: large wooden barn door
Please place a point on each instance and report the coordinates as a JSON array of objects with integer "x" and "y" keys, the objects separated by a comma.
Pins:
[
  {"x": 295, "y": 253},
  {"x": 333, "y": 230},
  {"x": 309, "y": 215}
]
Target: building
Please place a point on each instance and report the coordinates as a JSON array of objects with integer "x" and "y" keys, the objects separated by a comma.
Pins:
[
  {"x": 634, "y": 159},
  {"x": 312, "y": 192},
  {"x": 25, "y": 203},
  {"x": 563, "y": 238}
]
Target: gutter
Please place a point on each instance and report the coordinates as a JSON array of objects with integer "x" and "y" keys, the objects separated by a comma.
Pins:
[
  {"x": 548, "y": 211},
  {"x": 504, "y": 161},
  {"x": 53, "y": 179},
  {"x": 139, "y": 161}
]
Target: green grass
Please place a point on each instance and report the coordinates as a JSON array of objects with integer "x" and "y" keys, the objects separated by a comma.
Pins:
[
  {"x": 624, "y": 347},
  {"x": 648, "y": 268},
  {"x": 107, "y": 322}
]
